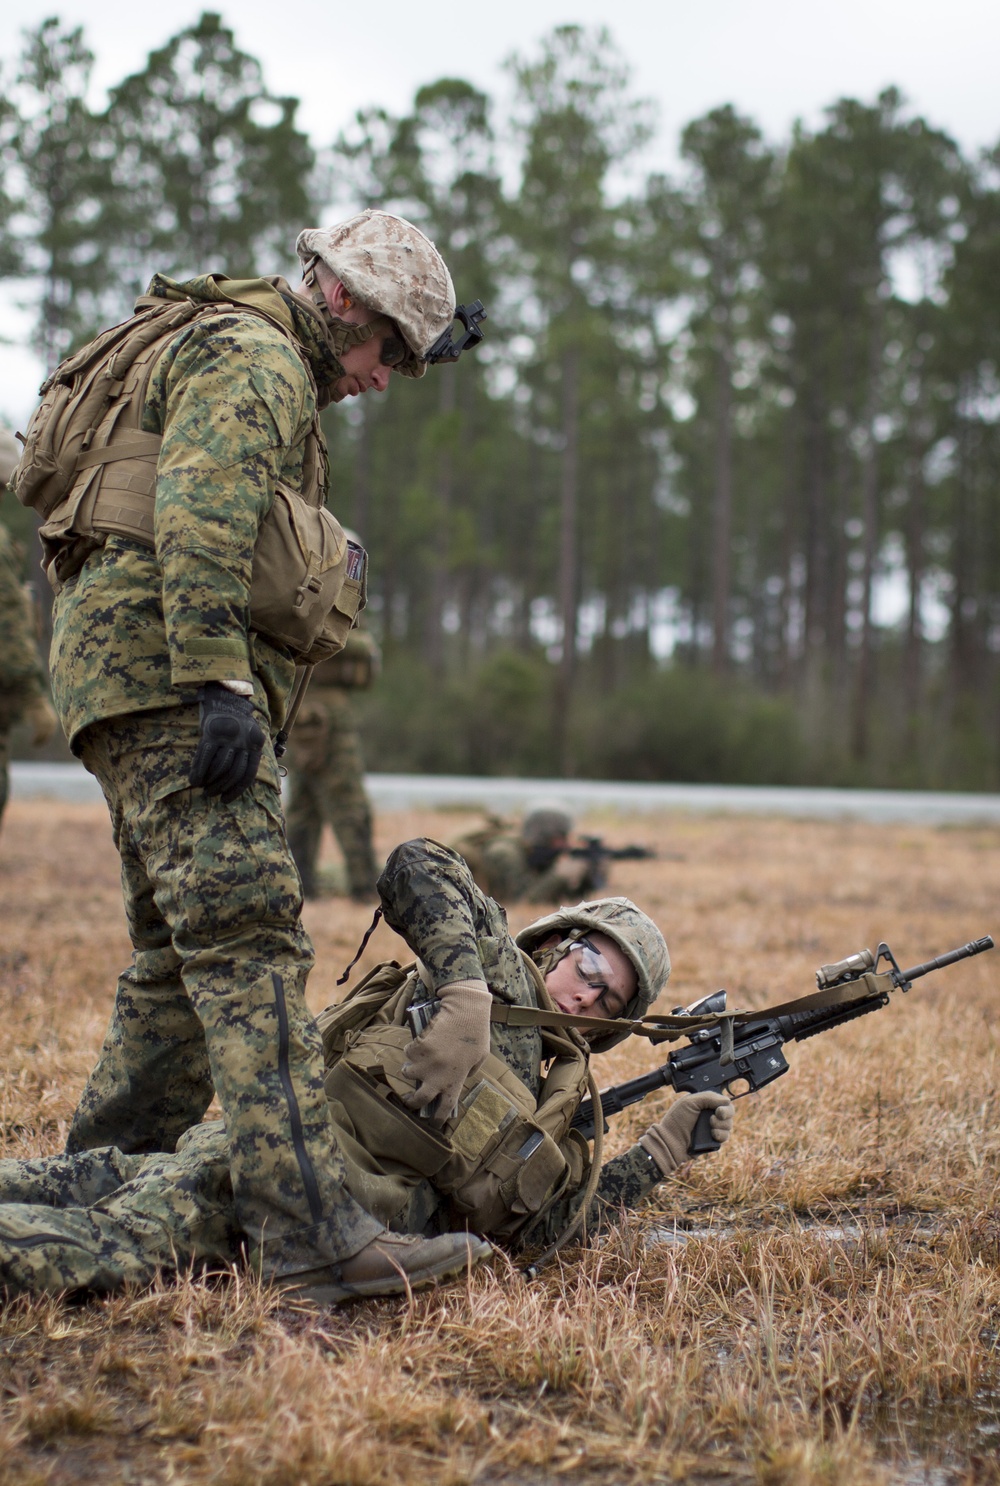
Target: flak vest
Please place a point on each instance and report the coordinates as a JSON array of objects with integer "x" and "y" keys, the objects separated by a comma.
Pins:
[
  {"x": 503, "y": 1159},
  {"x": 89, "y": 470}
]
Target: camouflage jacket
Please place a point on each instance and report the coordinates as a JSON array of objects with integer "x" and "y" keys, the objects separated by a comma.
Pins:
[
  {"x": 233, "y": 397},
  {"x": 429, "y": 897},
  {"x": 21, "y": 679}
]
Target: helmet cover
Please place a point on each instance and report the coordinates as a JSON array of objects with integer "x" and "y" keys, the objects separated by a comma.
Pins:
[
  {"x": 627, "y": 926},
  {"x": 545, "y": 824},
  {"x": 389, "y": 265}
]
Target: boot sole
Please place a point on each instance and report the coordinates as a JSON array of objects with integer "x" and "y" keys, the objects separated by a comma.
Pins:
[{"x": 394, "y": 1284}]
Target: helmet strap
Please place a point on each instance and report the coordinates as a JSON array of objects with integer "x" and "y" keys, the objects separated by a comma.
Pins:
[
  {"x": 548, "y": 958},
  {"x": 343, "y": 335}
]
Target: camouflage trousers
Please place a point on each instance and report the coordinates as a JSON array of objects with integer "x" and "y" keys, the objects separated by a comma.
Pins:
[
  {"x": 102, "y": 1219},
  {"x": 326, "y": 784},
  {"x": 214, "y": 998}
]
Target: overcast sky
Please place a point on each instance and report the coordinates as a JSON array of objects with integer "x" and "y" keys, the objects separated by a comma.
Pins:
[{"x": 777, "y": 60}]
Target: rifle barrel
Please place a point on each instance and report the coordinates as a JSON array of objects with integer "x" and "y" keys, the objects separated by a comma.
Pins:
[{"x": 974, "y": 947}]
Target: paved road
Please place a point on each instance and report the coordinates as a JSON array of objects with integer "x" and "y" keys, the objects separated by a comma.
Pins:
[{"x": 405, "y": 791}]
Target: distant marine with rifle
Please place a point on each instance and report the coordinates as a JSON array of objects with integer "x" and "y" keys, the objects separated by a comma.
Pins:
[
  {"x": 538, "y": 861},
  {"x": 326, "y": 772}
]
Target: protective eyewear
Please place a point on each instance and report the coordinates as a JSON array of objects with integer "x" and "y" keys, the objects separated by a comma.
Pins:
[
  {"x": 394, "y": 350},
  {"x": 594, "y": 967}
]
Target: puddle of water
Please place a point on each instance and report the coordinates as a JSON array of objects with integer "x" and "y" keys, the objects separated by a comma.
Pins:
[
  {"x": 935, "y": 1446},
  {"x": 941, "y": 1441},
  {"x": 846, "y": 1233}
]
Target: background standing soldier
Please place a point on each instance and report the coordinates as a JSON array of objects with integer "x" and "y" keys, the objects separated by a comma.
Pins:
[
  {"x": 23, "y": 694},
  {"x": 195, "y": 565},
  {"x": 326, "y": 770}
]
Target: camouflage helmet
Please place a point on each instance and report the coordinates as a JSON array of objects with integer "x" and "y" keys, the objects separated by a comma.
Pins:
[
  {"x": 389, "y": 265},
  {"x": 632, "y": 930},
  {"x": 546, "y": 823},
  {"x": 10, "y": 456}
]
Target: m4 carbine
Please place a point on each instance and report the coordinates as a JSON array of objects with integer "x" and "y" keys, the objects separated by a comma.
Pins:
[
  {"x": 746, "y": 1048},
  {"x": 597, "y": 855}
]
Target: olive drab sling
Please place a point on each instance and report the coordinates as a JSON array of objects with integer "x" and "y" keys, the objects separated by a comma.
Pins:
[
  {"x": 500, "y": 1162},
  {"x": 89, "y": 469}
]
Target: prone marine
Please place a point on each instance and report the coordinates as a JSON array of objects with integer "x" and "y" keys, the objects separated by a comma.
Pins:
[
  {"x": 528, "y": 862},
  {"x": 465, "y": 1125}
]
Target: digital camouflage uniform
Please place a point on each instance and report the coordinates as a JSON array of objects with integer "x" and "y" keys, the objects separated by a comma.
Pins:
[
  {"x": 22, "y": 684},
  {"x": 499, "y": 861},
  {"x": 214, "y": 997},
  {"x": 326, "y": 771},
  {"x": 100, "y": 1218}
]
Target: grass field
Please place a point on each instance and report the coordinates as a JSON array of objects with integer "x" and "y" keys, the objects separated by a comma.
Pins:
[{"x": 818, "y": 1303}]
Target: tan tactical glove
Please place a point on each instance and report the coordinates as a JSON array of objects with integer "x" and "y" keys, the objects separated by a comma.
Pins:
[
  {"x": 38, "y": 714},
  {"x": 668, "y": 1140},
  {"x": 454, "y": 1045}
]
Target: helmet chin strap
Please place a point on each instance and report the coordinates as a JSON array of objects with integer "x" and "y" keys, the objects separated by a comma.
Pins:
[
  {"x": 343, "y": 335},
  {"x": 548, "y": 958}
]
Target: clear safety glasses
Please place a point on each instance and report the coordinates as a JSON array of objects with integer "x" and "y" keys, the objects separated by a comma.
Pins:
[{"x": 593, "y": 967}]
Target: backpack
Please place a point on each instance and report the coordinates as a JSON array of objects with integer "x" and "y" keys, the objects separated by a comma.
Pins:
[{"x": 89, "y": 470}]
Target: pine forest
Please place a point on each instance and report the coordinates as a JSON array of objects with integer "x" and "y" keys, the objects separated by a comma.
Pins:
[{"x": 716, "y": 500}]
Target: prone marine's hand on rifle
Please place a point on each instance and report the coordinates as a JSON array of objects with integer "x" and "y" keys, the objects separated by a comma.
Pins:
[
  {"x": 230, "y": 744},
  {"x": 453, "y": 1045},
  {"x": 669, "y": 1140}
]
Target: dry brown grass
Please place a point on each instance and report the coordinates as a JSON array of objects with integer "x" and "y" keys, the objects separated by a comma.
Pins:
[{"x": 827, "y": 1312}]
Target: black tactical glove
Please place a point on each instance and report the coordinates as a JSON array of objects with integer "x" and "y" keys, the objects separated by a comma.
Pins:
[{"x": 231, "y": 743}]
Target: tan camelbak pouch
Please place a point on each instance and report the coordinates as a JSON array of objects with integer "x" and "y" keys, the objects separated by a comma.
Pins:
[{"x": 302, "y": 553}]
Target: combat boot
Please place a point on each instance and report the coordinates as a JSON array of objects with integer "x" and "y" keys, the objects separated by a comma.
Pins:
[{"x": 389, "y": 1265}]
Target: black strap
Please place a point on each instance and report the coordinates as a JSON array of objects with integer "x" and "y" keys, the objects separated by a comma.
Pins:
[{"x": 362, "y": 946}]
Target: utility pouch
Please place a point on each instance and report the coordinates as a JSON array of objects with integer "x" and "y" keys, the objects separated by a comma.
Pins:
[
  {"x": 390, "y": 1133},
  {"x": 308, "y": 580}
]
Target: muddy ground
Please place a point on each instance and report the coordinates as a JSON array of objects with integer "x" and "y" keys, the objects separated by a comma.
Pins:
[{"x": 820, "y": 1302}]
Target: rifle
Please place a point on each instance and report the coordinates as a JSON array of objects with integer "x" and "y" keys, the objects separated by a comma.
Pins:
[
  {"x": 746, "y": 1047},
  {"x": 596, "y": 854}
]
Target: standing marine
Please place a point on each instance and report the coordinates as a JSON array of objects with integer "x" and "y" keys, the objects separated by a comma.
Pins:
[
  {"x": 23, "y": 693},
  {"x": 467, "y": 1124},
  {"x": 326, "y": 770},
  {"x": 178, "y": 464}
]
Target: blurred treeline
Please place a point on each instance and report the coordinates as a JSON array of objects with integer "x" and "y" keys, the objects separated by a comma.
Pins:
[{"x": 717, "y": 500}]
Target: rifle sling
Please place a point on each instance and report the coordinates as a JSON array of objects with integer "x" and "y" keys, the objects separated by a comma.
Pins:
[{"x": 682, "y": 1026}]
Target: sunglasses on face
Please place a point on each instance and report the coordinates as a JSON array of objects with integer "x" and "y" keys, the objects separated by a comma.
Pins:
[{"x": 393, "y": 351}]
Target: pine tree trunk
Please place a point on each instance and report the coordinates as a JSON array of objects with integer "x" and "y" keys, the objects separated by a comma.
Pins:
[
  {"x": 439, "y": 573},
  {"x": 568, "y": 541},
  {"x": 865, "y": 678},
  {"x": 722, "y": 506}
]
